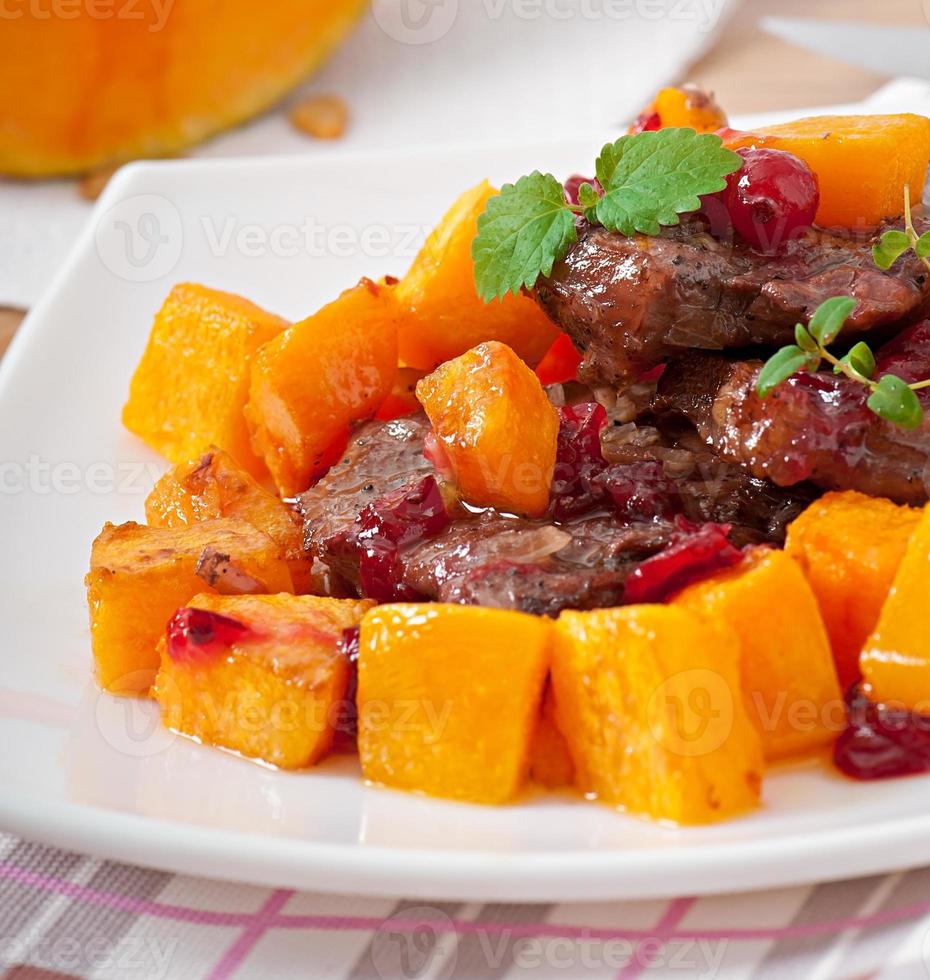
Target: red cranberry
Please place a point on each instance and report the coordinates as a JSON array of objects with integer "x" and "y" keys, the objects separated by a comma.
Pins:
[
  {"x": 578, "y": 460},
  {"x": 880, "y": 741},
  {"x": 646, "y": 122},
  {"x": 398, "y": 519},
  {"x": 772, "y": 198},
  {"x": 574, "y": 183},
  {"x": 196, "y": 636},
  {"x": 694, "y": 553},
  {"x": 640, "y": 490},
  {"x": 346, "y": 724}
]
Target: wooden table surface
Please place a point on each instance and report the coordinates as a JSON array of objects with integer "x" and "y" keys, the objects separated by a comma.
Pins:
[{"x": 750, "y": 71}]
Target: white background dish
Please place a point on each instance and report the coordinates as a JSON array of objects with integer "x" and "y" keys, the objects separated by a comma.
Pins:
[{"x": 83, "y": 770}]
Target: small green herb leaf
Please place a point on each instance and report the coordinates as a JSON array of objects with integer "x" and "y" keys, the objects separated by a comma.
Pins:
[
  {"x": 588, "y": 196},
  {"x": 523, "y": 231},
  {"x": 890, "y": 247},
  {"x": 781, "y": 366},
  {"x": 804, "y": 340},
  {"x": 896, "y": 402},
  {"x": 829, "y": 318},
  {"x": 922, "y": 245},
  {"x": 860, "y": 358},
  {"x": 651, "y": 178}
]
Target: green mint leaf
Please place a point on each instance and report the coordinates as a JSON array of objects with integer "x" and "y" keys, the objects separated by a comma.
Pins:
[
  {"x": 922, "y": 245},
  {"x": 860, "y": 358},
  {"x": 804, "y": 340},
  {"x": 523, "y": 231},
  {"x": 781, "y": 366},
  {"x": 896, "y": 402},
  {"x": 588, "y": 196},
  {"x": 891, "y": 246},
  {"x": 651, "y": 178},
  {"x": 829, "y": 318}
]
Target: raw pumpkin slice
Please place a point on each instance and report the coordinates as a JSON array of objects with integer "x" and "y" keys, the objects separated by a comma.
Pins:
[
  {"x": 261, "y": 675},
  {"x": 101, "y": 83},
  {"x": 449, "y": 697},
  {"x": 649, "y": 699}
]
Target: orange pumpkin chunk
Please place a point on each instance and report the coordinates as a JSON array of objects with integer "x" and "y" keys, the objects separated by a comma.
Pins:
[
  {"x": 862, "y": 162},
  {"x": 896, "y": 657},
  {"x": 192, "y": 382},
  {"x": 649, "y": 699},
  {"x": 402, "y": 398},
  {"x": 273, "y": 688},
  {"x": 448, "y": 698},
  {"x": 443, "y": 316},
  {"x": 214, "y": 486},
  {"x": 550, "y": 761},
  {"x": 688, "y": 107},
  {"x": 140, "y": 575},
  {"x": 319, "y": 377},
  {"x": 497, "y": 427},
  {"x": 788, "y": 677},
  {"x": 850, "y": 546}
]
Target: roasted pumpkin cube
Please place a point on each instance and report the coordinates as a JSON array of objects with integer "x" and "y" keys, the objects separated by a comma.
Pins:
[
  {"x": 688, "y": 107},
  {"x": 191, "y": 385},
  {"x": 265, "y": 675},
  {"x": 850, "y": 547},
  {"x": 550, "y": 761},
  {"x": 443, "y": 316},
  {"x": 140, "y": 575},
  {"x": 214, "y": 486},
  {"x": 895, "y": 659},
  {"x": 862, "y": 163},
  {"x": 318, "y": 378},
  {"x": 402, "y": 398},
  {"x": 789, "y": 681},
  {"x": 649, "y": 699},
  {"x": 496, "y": 427},
  {"x": 448, "y": 698}
]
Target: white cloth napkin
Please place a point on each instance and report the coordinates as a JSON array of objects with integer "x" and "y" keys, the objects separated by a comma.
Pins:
[{"x": 427, "y": 71}]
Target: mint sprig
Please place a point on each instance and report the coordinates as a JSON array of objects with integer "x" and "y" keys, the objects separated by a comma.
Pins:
[
  {"x": 653, "y": 177},
  {"x": 648, "y": 180},
  {"x": 890, "y": 397},
  {"x": 895, "y": 242}
]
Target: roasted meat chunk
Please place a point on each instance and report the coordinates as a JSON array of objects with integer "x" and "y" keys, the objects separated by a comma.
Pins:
[
  {"x": 629, "y": 304},
  {"x": 814, "y": 427}
]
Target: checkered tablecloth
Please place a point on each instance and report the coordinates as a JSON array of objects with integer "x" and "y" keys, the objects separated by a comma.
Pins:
[{"x": 66, "y": 915}]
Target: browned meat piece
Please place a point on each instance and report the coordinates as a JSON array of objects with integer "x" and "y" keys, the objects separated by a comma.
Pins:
[
  {"x": 630, "y": 304},
  {"x": 814, "y": 427}
]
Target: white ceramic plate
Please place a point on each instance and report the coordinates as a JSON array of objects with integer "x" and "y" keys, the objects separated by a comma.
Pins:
[{"x": 83, "y": 770}]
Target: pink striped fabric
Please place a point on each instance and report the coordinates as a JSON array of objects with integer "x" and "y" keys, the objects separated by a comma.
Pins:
[{"x": 64, "y": 915}]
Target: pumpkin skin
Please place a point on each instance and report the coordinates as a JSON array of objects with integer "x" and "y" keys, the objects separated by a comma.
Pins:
[{"x": 92, "y": 84}]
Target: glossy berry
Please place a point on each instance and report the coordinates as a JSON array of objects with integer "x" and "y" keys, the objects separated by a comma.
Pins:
[
  {"x": 771, "y": 199},
  {"x": 397, "y": 520},
  {"x": 646, "y": 122},
  {"x": 880, "y": 741},
  {"x": 578, "y": 461},
  {"x": 198, "y": 636},
  {"x": 640, "y": 490},
  {"x": 695, "y": 552}
]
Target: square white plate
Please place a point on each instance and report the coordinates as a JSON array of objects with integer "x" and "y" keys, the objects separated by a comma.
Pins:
[{"x": 83, "y": 770}]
